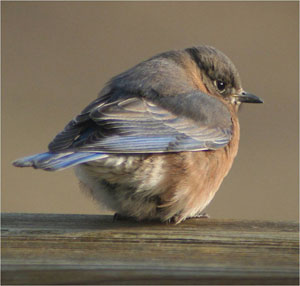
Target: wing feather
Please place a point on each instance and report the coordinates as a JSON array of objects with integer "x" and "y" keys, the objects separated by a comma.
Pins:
[{"x": 141, "y": 125}]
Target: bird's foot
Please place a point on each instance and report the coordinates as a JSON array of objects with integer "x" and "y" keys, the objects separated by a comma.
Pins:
[
  {"x": 177, "y": 218},
  {"x": 202, "y": 215},
  {"x": 119, "y": 217}
]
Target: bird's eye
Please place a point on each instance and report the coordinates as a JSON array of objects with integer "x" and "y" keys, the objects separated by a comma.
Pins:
[{"x": 220, "y": 85}]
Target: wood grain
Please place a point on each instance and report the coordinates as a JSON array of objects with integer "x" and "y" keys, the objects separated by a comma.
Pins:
[{"x": 92, "y": 249}]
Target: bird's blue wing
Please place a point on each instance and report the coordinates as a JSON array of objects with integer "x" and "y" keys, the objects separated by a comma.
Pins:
[{"x": 188, "y": 122}]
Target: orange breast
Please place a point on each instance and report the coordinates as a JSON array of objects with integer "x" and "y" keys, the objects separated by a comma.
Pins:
[{"x": 193, "y": 178}]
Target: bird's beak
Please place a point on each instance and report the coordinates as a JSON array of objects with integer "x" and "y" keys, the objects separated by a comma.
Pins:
[{"x": 247, "y": 97}]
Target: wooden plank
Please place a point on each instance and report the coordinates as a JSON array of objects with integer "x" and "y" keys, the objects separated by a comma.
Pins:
[{"x": 92, "y": 249}]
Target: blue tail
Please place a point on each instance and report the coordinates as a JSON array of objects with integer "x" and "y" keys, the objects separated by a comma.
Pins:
[{"x": 57, "y": 161}]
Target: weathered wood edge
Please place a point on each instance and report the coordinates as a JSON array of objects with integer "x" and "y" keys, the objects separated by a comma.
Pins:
[
  {"x": 20, "y": 218},
  {"x": 136, "y": 274}
]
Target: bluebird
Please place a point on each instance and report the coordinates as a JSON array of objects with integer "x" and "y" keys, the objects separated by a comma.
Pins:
[{"x": 159, "y": 139}]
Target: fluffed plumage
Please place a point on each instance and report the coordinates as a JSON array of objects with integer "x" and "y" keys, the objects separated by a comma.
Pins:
[{"x": 159, "y": 139}]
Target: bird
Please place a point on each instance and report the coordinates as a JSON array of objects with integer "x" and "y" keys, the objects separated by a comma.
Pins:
[{"x": 159, "y": 139}]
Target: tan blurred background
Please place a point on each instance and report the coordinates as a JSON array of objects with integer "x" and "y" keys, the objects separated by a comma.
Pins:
[{"x": 56, "y": 57}]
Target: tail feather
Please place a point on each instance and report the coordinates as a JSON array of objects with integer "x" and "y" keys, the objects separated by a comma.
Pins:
[{"x": 57, "y": 161}]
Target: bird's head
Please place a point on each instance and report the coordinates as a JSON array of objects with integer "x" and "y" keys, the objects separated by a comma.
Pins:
[{"x": 220, "y": 76}]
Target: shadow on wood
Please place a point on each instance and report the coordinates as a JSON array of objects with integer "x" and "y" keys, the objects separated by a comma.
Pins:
[{"x": 92, "y": 249}]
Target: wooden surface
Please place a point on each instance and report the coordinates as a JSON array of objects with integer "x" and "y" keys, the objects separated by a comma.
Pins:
[{"x": 90, "y": 249}]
